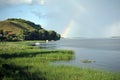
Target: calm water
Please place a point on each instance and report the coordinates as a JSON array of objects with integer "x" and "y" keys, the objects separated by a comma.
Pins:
[{"x": 105, "y": 52}]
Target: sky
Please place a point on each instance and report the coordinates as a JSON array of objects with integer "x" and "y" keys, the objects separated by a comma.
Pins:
[{"x": 70, "y": 18}]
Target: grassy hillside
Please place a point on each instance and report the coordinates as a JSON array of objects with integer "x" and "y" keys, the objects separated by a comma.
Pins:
[
  {"x": 17, "y": 25},
  {"x": 19, "y": 29}
]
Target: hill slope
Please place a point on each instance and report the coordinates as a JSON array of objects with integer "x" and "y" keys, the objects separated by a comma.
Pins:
[
  {"x": 17, "y": 25},
  {"x": 26, "y": 29}
]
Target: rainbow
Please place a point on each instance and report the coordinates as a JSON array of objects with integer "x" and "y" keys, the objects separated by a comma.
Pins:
[
  {"x": 68, "y": 28},
  {"x": 68, "y": 31}
]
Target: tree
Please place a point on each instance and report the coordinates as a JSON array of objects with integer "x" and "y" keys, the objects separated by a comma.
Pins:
[
  {"x": 53, "y": 35},
  {"x": 43, "y": 34},
  {"x": 2, "y": 36}
]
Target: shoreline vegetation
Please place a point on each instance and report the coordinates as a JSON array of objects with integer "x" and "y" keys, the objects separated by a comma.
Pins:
[{"x": 20, "y": 61}]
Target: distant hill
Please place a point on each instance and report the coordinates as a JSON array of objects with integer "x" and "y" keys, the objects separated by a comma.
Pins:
[
  {"x": 30, "y": 30},
  {"x": 18, "y": 25},
  {"x": 116, "y": 37}
]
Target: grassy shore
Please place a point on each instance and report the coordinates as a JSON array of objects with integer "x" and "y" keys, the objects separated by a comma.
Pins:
[{"x": 20, "y": 61}]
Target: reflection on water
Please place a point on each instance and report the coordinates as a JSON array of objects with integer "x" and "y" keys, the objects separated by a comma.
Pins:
[
  {"x": 45, "y": 45},
  {"x": 48, "y": 45},
  {"x": 105, "y": 52}
]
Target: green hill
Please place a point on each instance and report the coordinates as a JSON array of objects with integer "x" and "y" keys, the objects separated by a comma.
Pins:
[
  {"x": 18, "y": 25},
  {"x": 27, "y": 29}
]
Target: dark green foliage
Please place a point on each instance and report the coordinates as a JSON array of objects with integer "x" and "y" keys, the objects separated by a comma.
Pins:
[
  {"x": 41, "y": 34},
  {"x": 53, "y": 35},
  {"x": 11, "y": 71},
  {"x": 2, "y": 35},
  {"x": 9, "y": 36}
]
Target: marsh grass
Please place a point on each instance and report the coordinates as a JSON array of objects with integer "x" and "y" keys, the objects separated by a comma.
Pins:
[{"x": 22, "y": 62}]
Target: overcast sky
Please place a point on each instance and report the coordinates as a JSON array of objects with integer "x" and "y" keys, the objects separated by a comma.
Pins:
[{"x": 84, "y": 18}]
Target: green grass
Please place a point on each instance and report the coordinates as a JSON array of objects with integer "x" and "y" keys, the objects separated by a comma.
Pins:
[{"x": 19, "y": 61}]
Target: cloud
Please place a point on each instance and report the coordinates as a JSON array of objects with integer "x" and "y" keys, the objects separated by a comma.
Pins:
[
  {"x": 38, "y": 14},
  {"x": 64, "y": 9},
  {"x": 113, "y": 30},
  {"x": 16, "y": 2},
  {"x": 42, "y": 2},
  {"x": 38, "y": 2}
]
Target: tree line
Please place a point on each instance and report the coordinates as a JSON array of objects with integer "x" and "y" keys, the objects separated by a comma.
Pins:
[{"x": 37, "y": 34}]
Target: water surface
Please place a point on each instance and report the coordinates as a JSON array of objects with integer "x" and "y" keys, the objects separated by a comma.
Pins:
[{"x": 105, "y": 52}]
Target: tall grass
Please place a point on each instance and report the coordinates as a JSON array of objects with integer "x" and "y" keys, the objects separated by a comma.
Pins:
[{"x": 19, "y": 61}]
